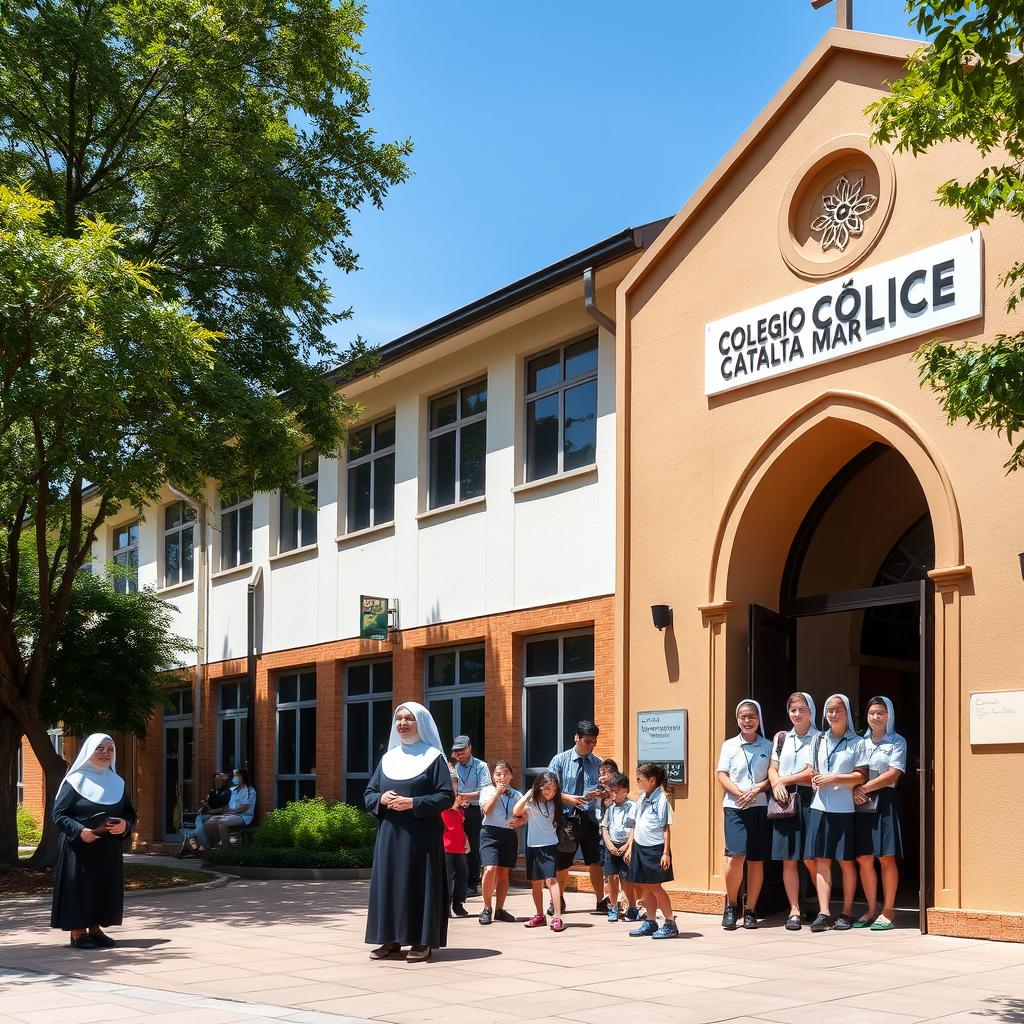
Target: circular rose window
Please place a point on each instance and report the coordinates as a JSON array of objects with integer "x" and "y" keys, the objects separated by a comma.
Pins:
[{"x": 836, "y": 207}]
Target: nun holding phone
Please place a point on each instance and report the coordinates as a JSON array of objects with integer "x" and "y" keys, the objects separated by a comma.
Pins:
[{"x": 94, "y": 817}]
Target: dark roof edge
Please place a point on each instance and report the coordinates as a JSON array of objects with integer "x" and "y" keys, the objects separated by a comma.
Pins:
[{"x": 609, "y": 250}]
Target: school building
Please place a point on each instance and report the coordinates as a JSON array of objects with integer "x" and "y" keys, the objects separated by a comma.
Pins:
[{"x": 714, "y": 420}]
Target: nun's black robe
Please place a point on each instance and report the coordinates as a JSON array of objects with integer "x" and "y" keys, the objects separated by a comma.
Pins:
[
  {"x": 88, "y": 881},
  {"x": 408, "y": 885}
]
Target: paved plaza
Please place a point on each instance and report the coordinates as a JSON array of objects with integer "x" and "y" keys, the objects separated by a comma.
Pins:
[{"x": 293, "y": 951}]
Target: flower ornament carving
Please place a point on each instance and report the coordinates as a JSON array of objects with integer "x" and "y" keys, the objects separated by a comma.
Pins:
[{"x": 844, "y": 214}]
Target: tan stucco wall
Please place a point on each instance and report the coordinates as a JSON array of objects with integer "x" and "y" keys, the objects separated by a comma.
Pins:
[{"x": 687, "y": 454}]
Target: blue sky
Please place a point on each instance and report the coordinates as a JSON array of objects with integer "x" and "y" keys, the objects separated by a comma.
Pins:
[{"x": 543, "y": 127}]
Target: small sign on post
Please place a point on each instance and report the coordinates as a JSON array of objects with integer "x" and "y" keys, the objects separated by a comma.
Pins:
[
  {"x": 661, "y": 739},
  {"x": 373, "y": 618}
]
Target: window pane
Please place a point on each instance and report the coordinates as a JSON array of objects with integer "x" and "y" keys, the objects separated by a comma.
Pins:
[
  {"x": 381, "y": 676},
  {"x": 245, "y": 534},
  {"x": 543, "y": 371},
  {"x": 354, "y": 790},
  {"x": 444, "y": 410},
  {"x": 359, "y": 442},
  {"x": 172, "y": 516},
  {"x": 358, "y": 680},
  {"x": 471, "y": 666},
  {"x": 243, "y": 742},
  {"x": 286, "y": 742},
  {"x": 227, "y": 743},
  {"x": 541, "y": 725},
  {"x": 441, "y": 669},
  {"x": 229, "y": 696},
  {"x": 472, "y": 460},
  {"x": 542, "y": 658},
  {"x": 285, "y": 792},
  {"x": 308, "y": 463},
  {"x": 308, "y": 516},
  {"x": 359, "y": 497},
  {"x": 188, "y": 513},
  {"x": 474, "y": 399},
  {"x": 578, "y": 653},
  {"x": 307, "y": 741},
  {"x": 384, "y": 489},
  {"x": 307, "y": 686},
  {"x": 307, "y": 788},
  {"x": 442, "y": 469},
  {"x": 384, "y": 434},
  {"x": 243, "y": 693},
  {"x": 471, "y": 722},
  {"x": 289, "y": 525},
  {"x": 287, "y": 689},
  {"x": 357, "y": 737},
  {"x": 443, "y": 712},
  {"x": 580, "y": 426},
  {"x": 577, "y": 703},
  {"x": 542, "y": 437},
  {"x": 187, "y": 554},
  {"x": 580, "y": 358},
  {"x": 381, "y": 711},
  {"x": 172, "y": 565}
]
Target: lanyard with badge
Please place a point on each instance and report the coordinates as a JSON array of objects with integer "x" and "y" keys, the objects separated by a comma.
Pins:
[
  {"x": 464, "y": 780},
  {"x": 749, "y": 762},
  {"x": 830, "y": 755}
]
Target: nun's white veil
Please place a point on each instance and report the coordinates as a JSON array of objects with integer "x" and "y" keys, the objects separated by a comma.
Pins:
[
  {"x": 760, "y": 716},
  {"x": 407, "y": 760},
  {"x": 811, "y": 705},
  {"x": 849, "y": 714},
  {"x": 891, "y": 725},
  {"x": 100, "y": 785}
]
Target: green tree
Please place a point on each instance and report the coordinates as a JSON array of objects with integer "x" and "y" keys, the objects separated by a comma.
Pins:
[{"x": 968, "y": 84}]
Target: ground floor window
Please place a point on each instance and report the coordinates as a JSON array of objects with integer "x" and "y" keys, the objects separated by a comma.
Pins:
[
  {"x": 21, "y": 776},
  {"x": 558, "y": 690},
  {"x": 454, "y": 687},
  {"x": 178, "y": 754},
  {"x": 367, "y": 723},
  {"x": 233, "y": 725},
  {"x": 296, "y": 736}
]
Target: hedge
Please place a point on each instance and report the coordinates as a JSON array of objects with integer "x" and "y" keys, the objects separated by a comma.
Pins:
[
  {"x": 272, "y": 857},
  {"x": 315, "y": 824},
  {"x": 29, "y": 832}
]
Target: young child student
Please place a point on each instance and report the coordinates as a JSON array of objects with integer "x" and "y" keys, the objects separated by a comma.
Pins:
[
  {"x": 647, "y": 852},
  {"x": 456, "y": 846},
  {"x": 542, "y": 807},
  {"x": 607, "y": 771},
  {"x": 615, "y": 834},
  {"x": 499, "y": 842}
]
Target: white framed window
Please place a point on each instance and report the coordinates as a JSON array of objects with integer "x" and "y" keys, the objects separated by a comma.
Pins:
[
  {"x": 298, "y": 525},
  {"x": 233, "y": 724},
  {"x": 235, "y": 530},
  {"x": 179, "y": 543},
  {"x": 367, "y": 723},
  {"x": 126, "y": 555},
  {"x": 457, "y": 444},
  {"x": 454, "y": 687},
  {"x": 56, "y": 734},
  {"x": 371, "y": 475},
  {"x": 296, "y": 736},
  {"x": 558, "y": 691},
  {"x": 561, "y": 409}
]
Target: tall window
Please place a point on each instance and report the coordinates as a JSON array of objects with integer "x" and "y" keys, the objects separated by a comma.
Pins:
[
  {"x": 367, "y": 723},
  {"x": 126, "y": 554},
  {"x": 371, "y": 475},
  {"x": 558, "y": 690},
  {"x": 458, "y": 441},
  {"x": 179, "y": 527},
  {"x": 455, "y": 694},
  {"x": 296, "y": 736},
  {"x": 235, "y": 530},
  {"x": 232, "y": 725},
  {"x": 21, "y": 776},
  {"x": 298, "y": 525},
  {"x": 178, "y": 750},
  {"x": 561, "y": 409}
]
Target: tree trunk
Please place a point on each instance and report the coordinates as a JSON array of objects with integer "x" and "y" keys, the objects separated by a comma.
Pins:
[
  {"x": 54, "y": 769},
  {"x": 10, "y": 743}
]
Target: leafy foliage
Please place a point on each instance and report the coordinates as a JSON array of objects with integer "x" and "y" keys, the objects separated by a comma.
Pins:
[
  {"x": 315, "y": 824},
  {"x": 969, "y": 85},
  {"x": 290, "y": 857},
  {"x": 29, "y": 832}
]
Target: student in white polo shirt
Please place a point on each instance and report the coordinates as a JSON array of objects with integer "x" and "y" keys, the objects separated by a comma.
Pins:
[
  {"x": 648, "y": 854},
  {"x": 743, "y": 774},
  {"x": 499, "y": 841},
  {"x": 839, "y": 763}
]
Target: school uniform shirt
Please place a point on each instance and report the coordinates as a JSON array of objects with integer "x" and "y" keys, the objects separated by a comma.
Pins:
[
  {"x": 473, "y": 776},
  {"x": 540, "y": 824},
  {"x": 837, "y": 757},
  {"x": 653, "y": 815},
  {"x": 615, "y": 818},
  {"x": 797, "y": 752},
  {"x": 890, "y": 752},
  {"x": 567, "y": 766},
  {"x": 499, "y": 814},
  {"x": 747, "y": 765}
]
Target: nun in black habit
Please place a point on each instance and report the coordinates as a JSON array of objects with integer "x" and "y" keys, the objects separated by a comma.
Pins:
[
  {"x": 408, "y": 887},
  {"x": 94, "y": 817}
]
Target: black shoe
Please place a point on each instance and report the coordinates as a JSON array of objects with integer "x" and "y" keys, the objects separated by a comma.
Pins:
[
  {"x": 102, "y": 940},
  {"x": 83, "y": 942},
  {"x": 485, "y": 915},
  {"x": 842, "y": 923},
  {"x": 749, "y": 919},
  {"x": 821, "y": 923},
  {"x": 793, "y": 923},
  {"x": 729, "y": 918},
  {"x": 501, "y": 914},
  {"x": 458, "y": 910},
  {"x": 603, "y": 906}
]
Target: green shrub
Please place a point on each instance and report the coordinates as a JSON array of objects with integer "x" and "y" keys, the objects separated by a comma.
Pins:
[
  {"x": 29, "y": 832},
  {"x": 315, "y": 824},
  {"x": 270, "y": 857}
]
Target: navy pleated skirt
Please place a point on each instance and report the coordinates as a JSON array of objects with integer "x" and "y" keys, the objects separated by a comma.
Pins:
[
  {"x": 830, "y": 834},
  {"x": 789, "y": 834},
  {"x": 645, "y": 865},
  {"x": 880, "y": 834},
  {"x": 747, "y": 833},
  {"x": 541, "y": 862}
]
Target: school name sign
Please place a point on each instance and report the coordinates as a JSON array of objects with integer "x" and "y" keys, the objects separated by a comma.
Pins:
[{"x": 915, "y": 294}]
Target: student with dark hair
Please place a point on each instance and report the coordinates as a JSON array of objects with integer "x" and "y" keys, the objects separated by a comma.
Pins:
[
  {"x": 615, "y": 826},
  {"x": 542, "y": 807},
  {"x": 647, "y": 852},
  {"x": 499, "y": 842}
]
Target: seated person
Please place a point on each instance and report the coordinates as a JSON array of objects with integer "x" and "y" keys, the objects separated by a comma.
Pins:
[
  {"x": 216, "y": 802},
  {"x": 240, "y": 810}
]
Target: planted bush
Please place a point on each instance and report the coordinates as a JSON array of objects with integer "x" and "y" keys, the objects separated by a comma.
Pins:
[
  {"x": 29, "y": 831},
  {"x": 269, "y": 857},
  {"x": 313, "y": 824}
]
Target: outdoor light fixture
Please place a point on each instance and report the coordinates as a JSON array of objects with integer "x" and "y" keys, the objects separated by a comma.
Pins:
[{"x": 661, "y": 614}]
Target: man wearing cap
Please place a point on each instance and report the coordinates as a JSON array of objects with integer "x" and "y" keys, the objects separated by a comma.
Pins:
[{"x": 472, "y": 775}]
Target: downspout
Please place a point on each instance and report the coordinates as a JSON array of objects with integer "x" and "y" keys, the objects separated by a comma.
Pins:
[
  {"x": 590, "y": 302},
  {"x": 250, "y": 670}
]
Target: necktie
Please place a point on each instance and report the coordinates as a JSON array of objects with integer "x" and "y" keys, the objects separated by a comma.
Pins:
[{"x": 578, "y": 788}]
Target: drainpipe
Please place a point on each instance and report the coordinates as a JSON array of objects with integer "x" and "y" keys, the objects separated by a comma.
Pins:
[
  {"x": 250, "y": 669},
  {"x": 590, "y": 302}
]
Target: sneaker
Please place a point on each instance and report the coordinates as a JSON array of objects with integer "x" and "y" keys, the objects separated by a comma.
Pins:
[
  {"x": 821, "y": 923},
  {"x": 729, "y": 918},
  {"x": 842, "y": 923},
  {"x": 537, "y": 921},
  {"x": 667, "y": 931},
  {"x": 485, "y": 915},
  {"x": 632, "y": 914},
  {"x": 556, "y": 924},
  {"x": 501, "y": 914},
  {"x": 647, "y": 928},
  {"x": 458, "y": 910},
  {"x": 749, "y": 919},
  {"x": 793, "y": 923},
  {"x": 603, "y": 905},
  {"x": 613, "y": 914}
]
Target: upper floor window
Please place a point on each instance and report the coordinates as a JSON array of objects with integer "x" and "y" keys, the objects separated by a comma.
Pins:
[
  {"x": 235, "y": 530},
  {"x": 179, "y": 527},
  {"x": 458, "y": 436},
  {"x": 298, "y": 525},
  {"x": 561, "y": 409},
  {"x": 126, "y": 554},
  {"x": 371, "y": 475}
]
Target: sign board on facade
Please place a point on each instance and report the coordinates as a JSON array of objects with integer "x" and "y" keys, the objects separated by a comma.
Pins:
[
  {"x": 373, "y": 618},
  {"x": 997, "y": 717},
  {"x": 916, "y": 294},
  {"x": 661, "y": 739}
]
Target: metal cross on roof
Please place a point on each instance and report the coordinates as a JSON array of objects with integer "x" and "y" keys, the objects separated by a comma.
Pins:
[{"x": 844, "y": 11}]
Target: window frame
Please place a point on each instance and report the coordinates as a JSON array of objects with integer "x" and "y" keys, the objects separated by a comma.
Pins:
[
  {"x": 456, "y": 427},
  {"x": 285, "y": 507},
  {"x": 180, "y": 529},
  {"x": 121, "y": 584},
  {"x": 235, "y": 509},
  {"x": 297, "y": 706},
  {"x": 238, "y": 716},
  {"x": 369, "y": 697},
  {"x": 456, "y": 691},
  {"x": 371, "y": 456}
]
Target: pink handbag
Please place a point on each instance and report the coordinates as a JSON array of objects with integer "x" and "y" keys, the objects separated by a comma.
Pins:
[{"x": 791, "y": 807}]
